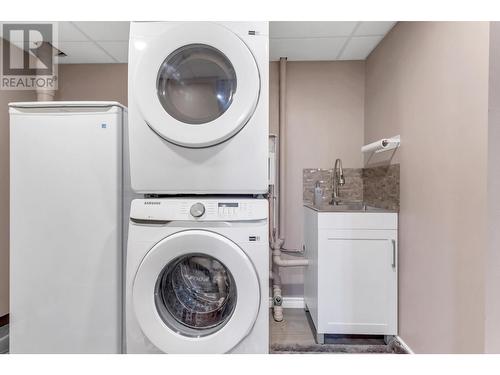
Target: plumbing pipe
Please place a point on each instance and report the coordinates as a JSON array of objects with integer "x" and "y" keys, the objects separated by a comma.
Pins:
[
  {"x": 287, "y": 262},
  {"x": 45, "y": 50},
  {"x": 280, "y": 238},
  {"x": 277, "y": 204},
  {"x": 277, "y": 298},
  {"x": 45, "y": 95},
  {"x": 282, "y": 150},
  {"x": 281, "y": 157}
]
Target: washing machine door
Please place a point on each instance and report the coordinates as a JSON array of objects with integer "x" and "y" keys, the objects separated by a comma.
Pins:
[
  {"x": 197, "y": 84},
  {"x": 196, "y": 292}
]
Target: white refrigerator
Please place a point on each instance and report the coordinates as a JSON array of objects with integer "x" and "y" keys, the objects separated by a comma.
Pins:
[{"x": 68, "y": 191}]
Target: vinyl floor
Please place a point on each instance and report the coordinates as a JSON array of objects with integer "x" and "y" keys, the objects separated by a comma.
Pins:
[{"x": 295, "y": 334}]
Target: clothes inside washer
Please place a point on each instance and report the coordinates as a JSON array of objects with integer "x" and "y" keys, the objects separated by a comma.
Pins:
[{"x": 199, "y": 292}]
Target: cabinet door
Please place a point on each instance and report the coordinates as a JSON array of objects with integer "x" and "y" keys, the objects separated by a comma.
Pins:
[{"x": 358, "y": 286}]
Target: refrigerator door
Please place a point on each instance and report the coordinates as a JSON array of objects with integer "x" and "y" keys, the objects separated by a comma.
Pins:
[{"x": 66, "y": 228}]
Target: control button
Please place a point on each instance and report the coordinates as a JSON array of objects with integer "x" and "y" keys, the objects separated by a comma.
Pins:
[{"x": 197, "y": 209}]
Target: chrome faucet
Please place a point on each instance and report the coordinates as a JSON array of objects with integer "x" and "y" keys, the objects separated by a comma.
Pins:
[{"x": 338, "y": 180}]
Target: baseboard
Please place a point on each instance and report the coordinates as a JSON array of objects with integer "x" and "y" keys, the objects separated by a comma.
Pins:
[
  {"x": 290, "y": 302},
  {"x": 404, "y": 345}
]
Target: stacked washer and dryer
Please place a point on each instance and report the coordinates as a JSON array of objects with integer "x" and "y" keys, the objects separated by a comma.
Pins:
[{"x": 197, "y": 258}]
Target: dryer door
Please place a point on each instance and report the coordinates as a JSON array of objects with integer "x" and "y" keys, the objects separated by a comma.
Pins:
[
  {"x": 196, "y": 85},
  {"x": 196, "y": 292}
]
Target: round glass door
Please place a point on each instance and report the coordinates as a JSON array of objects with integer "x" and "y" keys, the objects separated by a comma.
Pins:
[
  {"x": 196, "y": 84},
  {"x": 196, "y": 291},
  {"x": 195, "y": 295}
]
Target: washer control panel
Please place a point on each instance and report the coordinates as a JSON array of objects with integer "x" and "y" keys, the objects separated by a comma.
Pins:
[{"x": 209, "y": 209}]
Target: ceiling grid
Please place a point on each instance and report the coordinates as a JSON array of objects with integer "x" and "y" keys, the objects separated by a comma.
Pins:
[{"x": 107, "y": 42}]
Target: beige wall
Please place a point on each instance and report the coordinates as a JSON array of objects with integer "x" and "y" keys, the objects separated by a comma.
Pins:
[
  {"x": 428, "y": 81},
  {"x": 5, "y": 98},
  {"x": 324, "y": 113},
  {"x": 492, "y": 271},
  {"x": 93, "y": 82}
]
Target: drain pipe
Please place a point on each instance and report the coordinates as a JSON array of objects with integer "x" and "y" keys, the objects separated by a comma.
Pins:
[
  {"x": 45, "y": 94},
  {"x": 278, "y": 232},
  {"x": 277, "y": 298}
]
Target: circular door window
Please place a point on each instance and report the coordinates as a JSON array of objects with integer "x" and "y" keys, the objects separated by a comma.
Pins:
[
  {"x": 196, "y": 84},
  {"x": 196, "y": 291},
  {"x": 195, "y": 295}
]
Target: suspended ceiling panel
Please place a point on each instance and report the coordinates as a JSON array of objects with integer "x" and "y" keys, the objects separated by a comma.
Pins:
[
  {"x": 107, "y": 42},
  {"x": 303, "y": 41},
  {"x": 93, "y": 42}
]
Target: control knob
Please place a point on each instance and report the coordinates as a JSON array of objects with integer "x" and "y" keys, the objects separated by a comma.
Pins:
[{"x": 197, "y": 209}]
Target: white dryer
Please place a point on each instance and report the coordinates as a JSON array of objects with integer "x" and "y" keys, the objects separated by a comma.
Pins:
[
  {"x": 197, "y": 276},
  {"x": 198, "y": 107}
]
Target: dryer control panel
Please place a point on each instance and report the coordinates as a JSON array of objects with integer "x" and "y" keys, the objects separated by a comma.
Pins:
[{"x": 202, "y": 209}]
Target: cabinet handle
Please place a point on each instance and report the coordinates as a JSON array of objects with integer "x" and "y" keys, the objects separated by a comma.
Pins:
[{"x": 393, "y": 253}]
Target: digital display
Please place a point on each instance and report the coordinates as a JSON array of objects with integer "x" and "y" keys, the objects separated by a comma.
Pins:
[{"x": 228, "y": 205}]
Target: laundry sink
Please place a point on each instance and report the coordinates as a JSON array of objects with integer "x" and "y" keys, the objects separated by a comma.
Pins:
[
  {"x": 346, "y": 207},
  {"x": 350, "y": 283}
]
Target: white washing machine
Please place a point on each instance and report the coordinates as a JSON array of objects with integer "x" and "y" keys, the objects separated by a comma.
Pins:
[
  {"x": 198, "y": 102},
  {"x": 197, "y": 276}
]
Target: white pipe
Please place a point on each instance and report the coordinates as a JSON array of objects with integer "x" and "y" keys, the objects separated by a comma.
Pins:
[
  {"x": 277, "y": 298},
  {"x": 278, "y": 243},
  {"x": 287, "y": 262},
  {"x": 278, "y": 237},
  {"x": 282, "y": 149},
  {"x": 290, "y": 262},
  {"x": 45, "y": 95}
]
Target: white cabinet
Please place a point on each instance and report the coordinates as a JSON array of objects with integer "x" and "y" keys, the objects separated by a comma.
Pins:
[{"x": 351, "y": 281}]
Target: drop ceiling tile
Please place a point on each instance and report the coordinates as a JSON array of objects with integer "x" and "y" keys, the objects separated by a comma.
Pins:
[
  {"x": 105, "y": 31},
  {"x": 306, "y": 49},
  {"x": 374, "y": 28},
  {"x": 69, "y": 33},
  {"x": 82, "y": 52},
  {"x": 310, "y": 29},
  {"x": 358, "y": 48},
  {"x": 119, "y": 50}
]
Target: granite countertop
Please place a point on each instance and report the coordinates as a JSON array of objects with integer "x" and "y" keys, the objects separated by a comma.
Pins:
[{"x": 351, "y": 207}]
